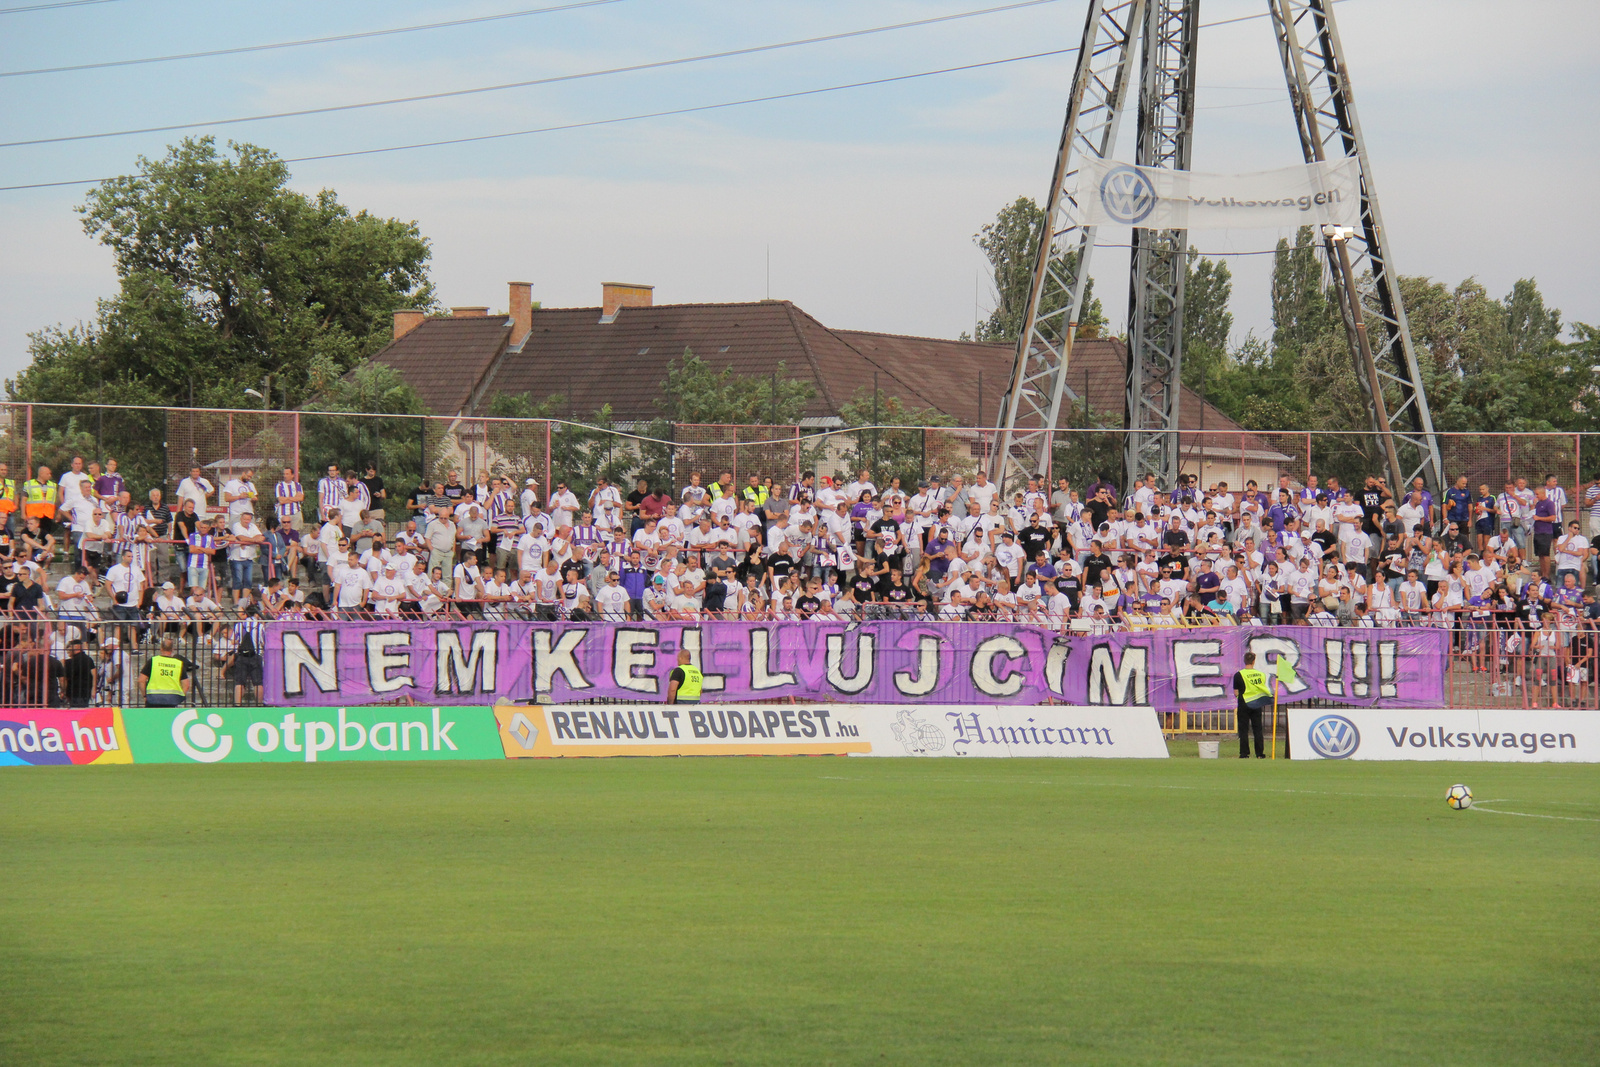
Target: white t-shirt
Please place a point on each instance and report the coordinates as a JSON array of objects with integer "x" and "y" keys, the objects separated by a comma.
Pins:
[
  {"x": 75, "y": 594},
  {"x": 1570, "y": 552},
  {"x": 983, "y": 494},
  {"x": 352, "y": 582},
  {"x": 388, "y": 592},
  {"x": 239, "y": 507},
  {"x": 198, "y": 491},
  {"x": 128, "y": 580},
  {"x": 76, "y": 486},
  {"x": 243, "y": 529},
  {"x": 612, "y": 601}
]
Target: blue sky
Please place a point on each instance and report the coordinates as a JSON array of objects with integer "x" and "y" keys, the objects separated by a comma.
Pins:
[{"x": 1476, "y": 115}]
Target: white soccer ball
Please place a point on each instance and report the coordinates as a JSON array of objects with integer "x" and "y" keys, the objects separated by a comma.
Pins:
[{"x": 1458, "y": 797}]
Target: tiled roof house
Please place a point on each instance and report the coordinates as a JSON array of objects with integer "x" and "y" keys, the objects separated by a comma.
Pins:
[{"x": 618, "y": 353}]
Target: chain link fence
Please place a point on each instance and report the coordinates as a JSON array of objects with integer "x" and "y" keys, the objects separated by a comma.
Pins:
[{"x": 158, "y": 447}]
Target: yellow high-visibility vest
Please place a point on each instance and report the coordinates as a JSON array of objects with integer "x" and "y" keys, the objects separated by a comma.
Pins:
[
  {"x": 8, "y": 496},
  {"x": 693, "y": 679},
  {"x": 1255, "y": 685},
  {"x": 166, "y": 675},
  {"x": 756, "y": 494},
  {"x": 40, "y": 499}
]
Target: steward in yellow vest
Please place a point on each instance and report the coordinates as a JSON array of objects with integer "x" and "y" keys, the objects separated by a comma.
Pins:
[
  {"x": 1254, "y": 696},
  {"x": 166, "y": 680},
  {"x": 685, "y": 682},
  {"x": 40, "y": 497}
]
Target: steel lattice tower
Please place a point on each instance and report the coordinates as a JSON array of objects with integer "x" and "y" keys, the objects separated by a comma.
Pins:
[{"x": 1366, "y": 284}]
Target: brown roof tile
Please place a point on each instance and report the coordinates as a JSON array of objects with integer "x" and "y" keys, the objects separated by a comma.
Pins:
[
  {"x": 458, "y": 364},
  {"x": 446, "y": 359},
  {"x": 571, "y": 352}
]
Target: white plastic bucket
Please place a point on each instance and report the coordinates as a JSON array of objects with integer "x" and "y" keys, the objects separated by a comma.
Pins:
[{"x": 1208, "y": 749}]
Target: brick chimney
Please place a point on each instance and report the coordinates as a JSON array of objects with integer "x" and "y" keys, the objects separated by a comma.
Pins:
[
  {"x": 614, "y": 296},
  {"x": 406, "y": 320},
  {"x": 521, "y": 311},
  {"x": 470, "y": 312}
]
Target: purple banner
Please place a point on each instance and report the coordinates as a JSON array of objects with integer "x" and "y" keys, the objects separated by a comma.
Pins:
[{"x": 875, "y": 662}]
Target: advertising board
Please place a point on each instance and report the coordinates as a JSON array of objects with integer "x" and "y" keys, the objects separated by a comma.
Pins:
[
  {"x": 1490, "y": 734},
  {"x": 63, "y": 737},
  {"x": 828, "y": 729},
  {"x": 311, "y": 735}
]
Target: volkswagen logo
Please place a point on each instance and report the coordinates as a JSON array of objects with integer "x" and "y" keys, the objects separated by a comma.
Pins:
[
  {"x": 1127, "y": 195},
  {"x": 1334, "y": 737}
]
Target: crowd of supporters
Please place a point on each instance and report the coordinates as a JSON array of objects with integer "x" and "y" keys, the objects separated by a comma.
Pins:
[
  {"x": 1099, "y": 557},
  {"x": 1096, "y": 558}
]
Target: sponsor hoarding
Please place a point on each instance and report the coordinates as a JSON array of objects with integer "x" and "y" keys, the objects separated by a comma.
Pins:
[
  {"x": 62, "y": 737},
  {"x": 880, "y": 662},
  {"x": 1491, "y": 734},
  {"x": 311, "y": 735},
  {"x": 828, "y": 729}
]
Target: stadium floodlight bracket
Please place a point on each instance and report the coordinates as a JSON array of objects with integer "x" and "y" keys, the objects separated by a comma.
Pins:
[{"x": 1361, "y": 274}]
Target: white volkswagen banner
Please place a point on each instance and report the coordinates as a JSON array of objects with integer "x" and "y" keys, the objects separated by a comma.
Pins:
[
  {"x": 1494, "y": 734},
  {"x": 1109, "y": 192}
]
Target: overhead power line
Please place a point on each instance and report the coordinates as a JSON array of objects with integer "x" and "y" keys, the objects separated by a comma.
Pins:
[
  {"x": 658, "y": 64},
  {"x": 614, "y": 121},
  {"x": 243, "y": 49},
  {"x": 650, "y": 115},
  {"x": 52, "y": 7}
]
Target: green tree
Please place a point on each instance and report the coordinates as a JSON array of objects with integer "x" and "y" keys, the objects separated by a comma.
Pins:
[
  {"x": 905, "y": 454},
  {"x": 226, "y": 274},
  {"x": 696, "y": 392},
  {"x": 392, "y": 437},
  {"x": 1301, "y": 310},
  {"x": 1011, "y": 244},
  {"x": 1207, "y": 322},
  {"x": 580, "y": 451}
]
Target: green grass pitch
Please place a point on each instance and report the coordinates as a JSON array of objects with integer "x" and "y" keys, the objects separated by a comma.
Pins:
[{"x": 799, "y": 911}]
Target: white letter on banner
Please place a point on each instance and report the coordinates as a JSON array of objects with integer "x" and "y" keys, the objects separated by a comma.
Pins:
[
  {"x": 983, "y": 666},
  {"x": 459, "y": 672},
  {"x": 380, "y": 661},
  {"x": 1334, "y": 680},
  {"x": 1270, "y": 651},
  {"x": 1055, "y": 667},
  {"x": 1388, "y": 652},
  {"x": 1109, "y": 682},
  {"x": 708, "y": 682},
  {"x": 324, "y": 666},
  {"x": 866, "y": 662},
  {"x": 626, "y": 658},
  {"x": 550, "y": 660},
  {"x": 1185, "y": 653},
  {"x": 927, "y": 676},
  {"x": 761, "y": 675}
]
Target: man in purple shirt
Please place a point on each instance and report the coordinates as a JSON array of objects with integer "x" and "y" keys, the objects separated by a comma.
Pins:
[
  {"x": 109, "y": 486},
  {"x": 1546, "y": 515}
]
